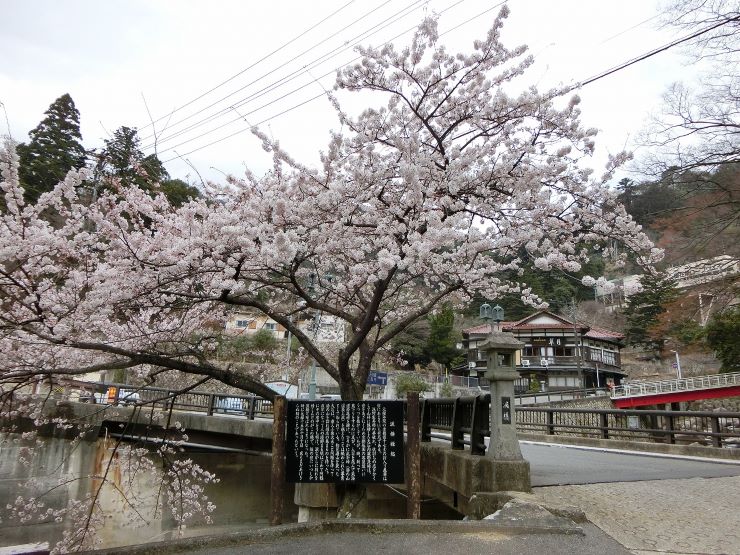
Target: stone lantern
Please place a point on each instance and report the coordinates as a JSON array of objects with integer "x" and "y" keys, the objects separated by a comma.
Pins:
[{"x": 501, "y": 372}]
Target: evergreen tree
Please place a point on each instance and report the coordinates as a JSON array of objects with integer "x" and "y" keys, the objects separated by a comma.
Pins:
[
  {"x": 123, "y": 159},
  {"x": 722, "y": 335},
  {"x": 411, "y": 344},
  {"x": 178, "y": 192},
  {"x": 553, "y": 286},
  {"x": 441, "y": 342},
  {"x": 645, "y": 308},
  {"x": 54, "y": 148}
]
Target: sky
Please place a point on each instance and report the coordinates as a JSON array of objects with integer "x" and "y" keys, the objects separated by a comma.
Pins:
[{"x": 134, "y": 62}]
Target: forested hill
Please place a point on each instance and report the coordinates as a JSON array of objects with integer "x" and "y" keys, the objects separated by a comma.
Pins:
[{"x": 692, "y": 215}]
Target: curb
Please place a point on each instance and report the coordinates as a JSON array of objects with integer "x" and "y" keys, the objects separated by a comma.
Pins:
[{"x": 265, "y": 535}]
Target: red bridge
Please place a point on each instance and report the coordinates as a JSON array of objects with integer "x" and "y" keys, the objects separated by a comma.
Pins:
[{"x": 675, "y": 391}]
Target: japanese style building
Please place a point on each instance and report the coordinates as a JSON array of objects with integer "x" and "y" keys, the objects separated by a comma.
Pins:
[{"x": 558, "y": 353}]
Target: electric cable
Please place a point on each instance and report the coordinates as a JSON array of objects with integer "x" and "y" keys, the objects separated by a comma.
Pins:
[
  {"x": 289, "y": 77},
  {"x": 251, "y": 66}
]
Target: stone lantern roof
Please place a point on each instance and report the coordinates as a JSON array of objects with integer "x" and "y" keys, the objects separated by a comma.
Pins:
[{"x": 501, "y": 340}]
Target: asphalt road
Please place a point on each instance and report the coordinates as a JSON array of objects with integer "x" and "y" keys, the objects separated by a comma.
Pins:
[{"x": 552, "y": 465}]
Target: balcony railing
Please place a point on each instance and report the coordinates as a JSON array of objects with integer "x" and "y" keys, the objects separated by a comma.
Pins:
[{"x": 591, "y": 357}]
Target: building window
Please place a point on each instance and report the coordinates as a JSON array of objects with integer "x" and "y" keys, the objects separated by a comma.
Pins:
[
  {"x": 242, "y": 323},
  {"x": 563, "y": 351},
  {"x": 270, "y": 326},
  {"x": 609, "y": 358},
  {"x": 563, "y": 381}
]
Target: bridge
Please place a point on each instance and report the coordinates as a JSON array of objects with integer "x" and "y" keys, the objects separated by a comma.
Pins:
[
  {"x": 674, "y": 391},
  {"x": 222, "y": 421},
  {"x": 454, "y": 432}
]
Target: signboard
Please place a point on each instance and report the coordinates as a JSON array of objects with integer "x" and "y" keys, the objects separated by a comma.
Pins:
[
  {"x": 285, "y": 389},
  {"x": 377, "y": 378},
  {"x": 344, "y": 441},
  {"x": 506, "y": 410}
]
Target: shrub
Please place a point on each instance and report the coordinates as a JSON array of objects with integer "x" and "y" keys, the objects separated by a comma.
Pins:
[{"x": 409, "y": 382}]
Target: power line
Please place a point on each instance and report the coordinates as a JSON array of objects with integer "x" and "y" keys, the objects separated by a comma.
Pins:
[
  {"x": 635, "y": 26},
  {"x": 247, "y": 129},
  {"x": 653, "y": 53},
  {"x": 252, "y": 65},
  {"x": 581, "y": 84},
  {"x": 312, "y": 98},
  {"x": 291, "y": 76},
  {"x": 304, "y": 52}
]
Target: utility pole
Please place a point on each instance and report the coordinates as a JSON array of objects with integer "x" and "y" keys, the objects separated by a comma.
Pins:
[{"x": 578, "y": 344}]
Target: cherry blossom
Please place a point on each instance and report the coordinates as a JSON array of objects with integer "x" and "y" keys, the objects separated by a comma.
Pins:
[{"x": 426, "y": 196}]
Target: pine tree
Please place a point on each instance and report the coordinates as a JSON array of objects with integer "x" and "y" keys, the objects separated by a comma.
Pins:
[
  {"x": 644, "y": 309},
  {"x": 54, "y": 148}
]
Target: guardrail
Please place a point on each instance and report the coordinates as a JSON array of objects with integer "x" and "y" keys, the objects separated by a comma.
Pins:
[
  {"x": 193, "y": 401},
  {"x": 466, "y": 422},
  {"x": 683, "y": 384}
]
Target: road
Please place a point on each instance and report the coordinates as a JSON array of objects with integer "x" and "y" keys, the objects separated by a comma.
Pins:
[
  {"x": 563, "y": 465},
  {"x": 649, "y": 504}
]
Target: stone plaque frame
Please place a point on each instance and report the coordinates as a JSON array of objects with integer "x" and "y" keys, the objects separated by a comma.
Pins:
[{"x": 344, "y": 441}]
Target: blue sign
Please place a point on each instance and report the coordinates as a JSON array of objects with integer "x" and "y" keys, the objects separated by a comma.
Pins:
[{"x": 377, "y": 378}]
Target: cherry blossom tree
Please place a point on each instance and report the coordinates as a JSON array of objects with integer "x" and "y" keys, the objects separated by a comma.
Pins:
[
  {"x": 449, "y": 184},
  {"x": 427, "y": 198}
]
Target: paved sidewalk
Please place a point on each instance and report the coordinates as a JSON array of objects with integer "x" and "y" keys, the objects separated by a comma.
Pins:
[{"x": 696, "y": 515}]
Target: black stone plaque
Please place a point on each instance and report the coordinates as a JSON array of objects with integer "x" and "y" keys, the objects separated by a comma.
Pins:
[
  {"x": 344, "y": 441},
  {"x": 506, "y": 410}
]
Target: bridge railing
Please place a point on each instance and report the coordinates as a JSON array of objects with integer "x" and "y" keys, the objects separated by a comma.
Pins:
[
  {"x": 465, "y": 421},
  {"x": 717, "y": 429},
  {"x": 459, "y": 417},
  {"x": 250, "y": 406},
  {"x": 558, "y": 395},
  {"x": 683, "y": 384}
]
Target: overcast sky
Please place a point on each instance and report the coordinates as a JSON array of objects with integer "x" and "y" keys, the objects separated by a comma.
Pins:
[{"x": 112, "y": 55}]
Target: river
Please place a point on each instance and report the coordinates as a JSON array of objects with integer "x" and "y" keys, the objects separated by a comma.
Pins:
[{"x": 62, "y": 472}]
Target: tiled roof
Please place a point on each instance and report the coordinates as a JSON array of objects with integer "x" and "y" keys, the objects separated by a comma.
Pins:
[
  {"x": 565, "y": 324},
  {"x": 485, "y": 328},
  {"x": 601, "y": 333}
]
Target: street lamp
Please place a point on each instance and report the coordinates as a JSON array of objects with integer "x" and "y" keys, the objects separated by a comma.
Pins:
[
  {"x": 678, "y": 364},
  {"x": 487, "y": 313}
]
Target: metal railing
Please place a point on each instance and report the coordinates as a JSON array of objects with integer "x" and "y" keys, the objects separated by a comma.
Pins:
[
  {"x": 465, "y": 421},
  {"x": 559, "y": 395},
  {"x": 659, "y": 426},
  {"x": 683, "y": 384},
  {"x": 250, "y": 406}
]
